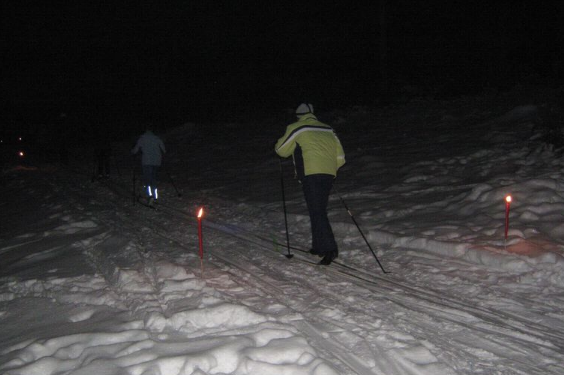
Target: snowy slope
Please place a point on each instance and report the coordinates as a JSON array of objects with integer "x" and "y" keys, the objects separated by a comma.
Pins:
[{"x": 91, "y": 283}]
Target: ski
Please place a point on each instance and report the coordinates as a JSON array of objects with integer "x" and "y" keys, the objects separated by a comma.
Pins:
[{"x": 143, "y": 202}]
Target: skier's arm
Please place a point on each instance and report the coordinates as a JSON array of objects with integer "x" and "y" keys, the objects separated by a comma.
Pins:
[
  {"x": 136, "y": 148},
  {"x": 286, "y": 144},
  {"x": 340, "y": 153}
]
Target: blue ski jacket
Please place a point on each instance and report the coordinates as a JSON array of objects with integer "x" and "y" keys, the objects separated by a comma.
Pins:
[{"x": 152, "y": 148}]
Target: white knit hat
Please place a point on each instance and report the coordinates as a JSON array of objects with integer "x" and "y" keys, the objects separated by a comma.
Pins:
[{"x": 303, "y": 109}]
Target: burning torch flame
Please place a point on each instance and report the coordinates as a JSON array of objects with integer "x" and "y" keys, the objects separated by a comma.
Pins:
[
  {"x": 508, "y": 199},
  {"x": 201, "y": 213},
  {"x": 21, "y": 154}
]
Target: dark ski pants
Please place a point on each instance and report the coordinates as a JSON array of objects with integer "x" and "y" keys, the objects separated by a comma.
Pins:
[
  {"x": 316, "y": 191},
  {"x": 150, "y": 180}
]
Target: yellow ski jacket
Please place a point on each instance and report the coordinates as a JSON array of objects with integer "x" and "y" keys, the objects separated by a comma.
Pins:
[{"x": 314, "y": 146}]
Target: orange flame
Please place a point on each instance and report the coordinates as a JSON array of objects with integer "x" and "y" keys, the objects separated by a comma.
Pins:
[
  {"x": 508, "y": 199},
  {"x": 201, "y": 213},
  {"x": 21, "y": 153}
]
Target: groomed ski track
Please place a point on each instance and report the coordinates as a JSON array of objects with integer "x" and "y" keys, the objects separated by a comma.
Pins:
[{"x": 265, "y": 271}]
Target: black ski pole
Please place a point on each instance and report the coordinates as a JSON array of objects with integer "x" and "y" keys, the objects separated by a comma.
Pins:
[
  {"x": 134, "y": 189},
  {"x": 360, "y": 231},
  {"x": 94, "y": 161},
  {"x": 115, "y": 164},
  {"x": 172, "y": 182},
  {"x": 289, "y": 255}
]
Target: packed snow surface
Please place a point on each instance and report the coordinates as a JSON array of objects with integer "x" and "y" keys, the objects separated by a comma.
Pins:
[{"x": 93, "y": 283}]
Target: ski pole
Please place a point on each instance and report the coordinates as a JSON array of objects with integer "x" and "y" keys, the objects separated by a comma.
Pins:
[
  {"x": 172, "y": 182},
  {"x": 359, "y": 230},
  {"x": 94, "y": 161},
  {"x": 134, "y": 190},
  {"x": 116, "y": 164},
  {"x": 289, "y": 255}
]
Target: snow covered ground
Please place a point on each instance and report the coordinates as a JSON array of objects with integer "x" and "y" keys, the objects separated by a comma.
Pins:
[{"x": 92, "y": 284}]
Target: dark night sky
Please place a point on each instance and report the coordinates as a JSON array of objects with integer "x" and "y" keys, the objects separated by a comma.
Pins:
[{"x": 197, "y": 60}]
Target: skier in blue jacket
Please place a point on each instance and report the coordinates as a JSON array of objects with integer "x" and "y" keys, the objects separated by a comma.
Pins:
[{"x": 152, "y": 148}]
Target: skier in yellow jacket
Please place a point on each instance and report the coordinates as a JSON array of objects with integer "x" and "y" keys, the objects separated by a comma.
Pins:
[{"x": 317, "y": 154}]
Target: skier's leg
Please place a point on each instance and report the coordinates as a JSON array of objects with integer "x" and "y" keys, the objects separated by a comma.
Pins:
[
  {"x": 147, "y": 173},
  {"x": 155, "y": 179},
  {"x": 316, "y": 192}
]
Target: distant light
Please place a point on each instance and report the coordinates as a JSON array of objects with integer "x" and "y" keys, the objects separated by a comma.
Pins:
[
  {"x": 508, "y": 199},
  {"x": 201, "y": 213},
  {"x": 21, "y": 154},
  {"x": 20, "y": 139}
]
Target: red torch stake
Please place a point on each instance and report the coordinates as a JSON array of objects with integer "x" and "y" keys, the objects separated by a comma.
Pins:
[
  {"x": 200, "y": 216},
  {"x": 200, "y": 239},
  {"x": 507, "y": 204}
]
